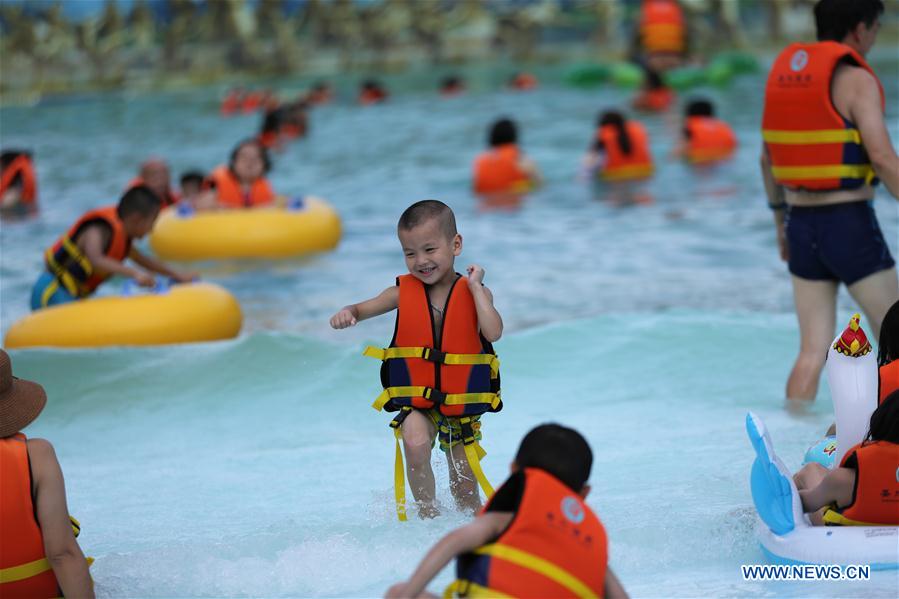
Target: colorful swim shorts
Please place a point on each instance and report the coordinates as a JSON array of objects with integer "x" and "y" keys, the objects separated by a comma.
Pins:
[{"x": 449, "y": 430}]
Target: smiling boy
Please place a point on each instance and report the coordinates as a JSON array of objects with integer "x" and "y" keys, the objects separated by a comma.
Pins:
[{"x": 440, "y": 371}]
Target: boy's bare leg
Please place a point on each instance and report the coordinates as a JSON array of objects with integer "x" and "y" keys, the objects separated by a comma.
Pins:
[
  {"x": 418, "y": 436},
  {"x": 876, "y": 294},
  {"x": 463, "y": 484},
  {"x": 816, "y": 305}
]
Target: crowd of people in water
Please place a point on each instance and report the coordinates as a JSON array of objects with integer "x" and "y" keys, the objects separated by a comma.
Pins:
[{"x": 825, "y": 147}]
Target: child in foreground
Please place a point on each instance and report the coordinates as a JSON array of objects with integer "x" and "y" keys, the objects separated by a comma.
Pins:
[
  {"x": 440, "y": 372},
  {"x": 536, "y": 537}
]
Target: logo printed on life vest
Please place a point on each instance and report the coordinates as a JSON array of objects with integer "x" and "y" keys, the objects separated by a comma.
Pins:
[
  {"x": 799, "y": 60},
  {"x": 572, "y": 510}
]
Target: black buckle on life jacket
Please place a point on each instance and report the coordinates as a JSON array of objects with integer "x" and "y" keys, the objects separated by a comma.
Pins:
[
  {"x": 399, "y": 418},
  {"x": 467, "y": 430},
  {"x": 434, "y": 355},
  {"x": 435, "y": 395}
]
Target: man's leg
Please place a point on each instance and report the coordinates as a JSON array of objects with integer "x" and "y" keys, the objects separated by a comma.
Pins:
[
  {"x": 816, "y": 306},
  {"x": 418, "y": 436},
  {"x": 876, "y": 294}
]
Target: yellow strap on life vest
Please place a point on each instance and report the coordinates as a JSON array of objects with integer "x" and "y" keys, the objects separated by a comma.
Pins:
[
  {"x": 473, "y": 454},
  {"x": 539, "y": 565},
  {"x": 425, "y": 353},
  {"x": 452, "y": 399},
  {"x": 619, "y": 173},
  {"x": 399, "y": 478},
  {"x": 827, "y": 171},
  {"x": 466, "y": 588},
  {"x": 24, "y": 571},
  {"x": 49, "y": 290},
  {"x": 64, "y": 276},
  {"x": 802, "y": 138},
  {"x": 834, "y": 518}
]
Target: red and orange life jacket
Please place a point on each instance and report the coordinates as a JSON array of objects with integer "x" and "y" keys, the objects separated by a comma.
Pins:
[
  {"x": 555, "y": 547},
  {"x": 662, "y": 26},
  {"x": 619, "y": 166},
  {"x": 231, "y": 194},
  {"x": 459, "y": 376},
  {"x": 810, "y": 144},
  {"x": 69, "y": 264},
  {"x": 889, "y": 380},
  {"x": 20, "y": 168},
  {"x": 24, "y": 569},
  {"x": 709, "y": 139},
  {"x": 498, "y": 171},
  {"x": 875, "y": 499},
  {"x": 169, "y": 199},
  {"x": 372, "y": 96}
]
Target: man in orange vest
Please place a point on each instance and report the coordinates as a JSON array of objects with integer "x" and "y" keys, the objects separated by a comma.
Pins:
[
  {"x": 825, "y": 147},
  {"x": 536, "y": 537},
  {"x": 39, "y": 556}
]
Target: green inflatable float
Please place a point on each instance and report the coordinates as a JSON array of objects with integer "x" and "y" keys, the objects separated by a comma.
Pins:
[{"x": 719, "y": 72}]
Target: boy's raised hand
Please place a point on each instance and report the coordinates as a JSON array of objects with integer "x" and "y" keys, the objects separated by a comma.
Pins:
[
  {"x": 343, "y": 319},
  {"x": 475, "y": 274}
]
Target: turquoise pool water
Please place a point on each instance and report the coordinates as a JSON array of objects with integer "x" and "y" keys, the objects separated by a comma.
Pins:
[{"x": 256, "y": 467}]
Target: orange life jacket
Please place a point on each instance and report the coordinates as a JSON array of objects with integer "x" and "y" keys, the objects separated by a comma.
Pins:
[
  {"x": 524, "y": 81},
  {"x": 24, "y": 569},
  {"x": 69, "y": 264},
  {"x": 230, "y": 192},
  {"x": 292, "y": 130},
  {"x": 709, "y": 139},
  {"x": 654, "y": 100},
  {"x": 811, "y": 146},
  {"x": 372, "y": 96},
  {"x": 268, "y": 139},
  {"x": 169, "y": 199},
  {"x": 619, "y": 166},
  {"x": 497, "y": 171},
  {"x": 555, "y": 547},
  {"x": 889, "y": 380},
  {"x": 21, "y": 167},
  {"x": 662, "y": 26},
  {"x": 252, "y": 101},
  {"x": 459, "y": 376},
  {"x": 875, "y": 499},
  {"x": 231, "y": 103}
]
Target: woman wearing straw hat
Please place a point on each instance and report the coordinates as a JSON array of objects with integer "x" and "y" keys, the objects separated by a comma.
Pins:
[{"x": 39, "y": 556}]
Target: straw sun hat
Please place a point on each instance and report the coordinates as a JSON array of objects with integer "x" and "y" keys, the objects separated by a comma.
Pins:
[{"x": 20, "y": 401}]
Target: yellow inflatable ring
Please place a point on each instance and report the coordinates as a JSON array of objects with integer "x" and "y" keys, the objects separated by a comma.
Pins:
[
  {"x": 183, "y": 314},
  {"x": 254, "y": 233}
]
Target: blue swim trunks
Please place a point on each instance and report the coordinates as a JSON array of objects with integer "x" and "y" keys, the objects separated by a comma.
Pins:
[
  {"x": 48, "y": 292},
  {"x": 839, "y": 242}
]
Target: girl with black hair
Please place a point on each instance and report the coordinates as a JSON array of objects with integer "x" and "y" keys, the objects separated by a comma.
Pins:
[{"x": 620, "y": 150}]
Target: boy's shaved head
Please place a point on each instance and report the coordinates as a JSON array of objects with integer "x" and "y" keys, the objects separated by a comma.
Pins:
[{"x": 423, "y": 211}]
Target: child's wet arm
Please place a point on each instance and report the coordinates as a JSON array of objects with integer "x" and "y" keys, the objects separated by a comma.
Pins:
[
  {"x": 151, "y": 264},
  {"x": 467, "y": 538},
  {"x": 384, "y": 302},
  {"x": 489, "y": 320}
]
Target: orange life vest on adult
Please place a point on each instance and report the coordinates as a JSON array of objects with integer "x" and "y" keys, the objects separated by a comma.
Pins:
[
  {"x": 812, "y": 146},
  {"x": 169, "y": 199},
  {"x": 231, "y": 103},
  {"x": 372, "y": 96},
  {"x": 24, "y": 569},
  {"x": 709, "y": 139},
  {"x": 654, "y": 100},
  {"x": 22, "y": 168},
  {"x": 523, "y": 82},
  {"x": 69, "y": 264},
  {"x": 230, "y": 193},
  {"x": 889, "y": 380},
  {"x": 662, "y": 26},
  {"x": 619, "y": 166},
  {"x": 875, "y": 499},
  {"x": 555, "y": 547},
  {"x": 497, "y": 171}
]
